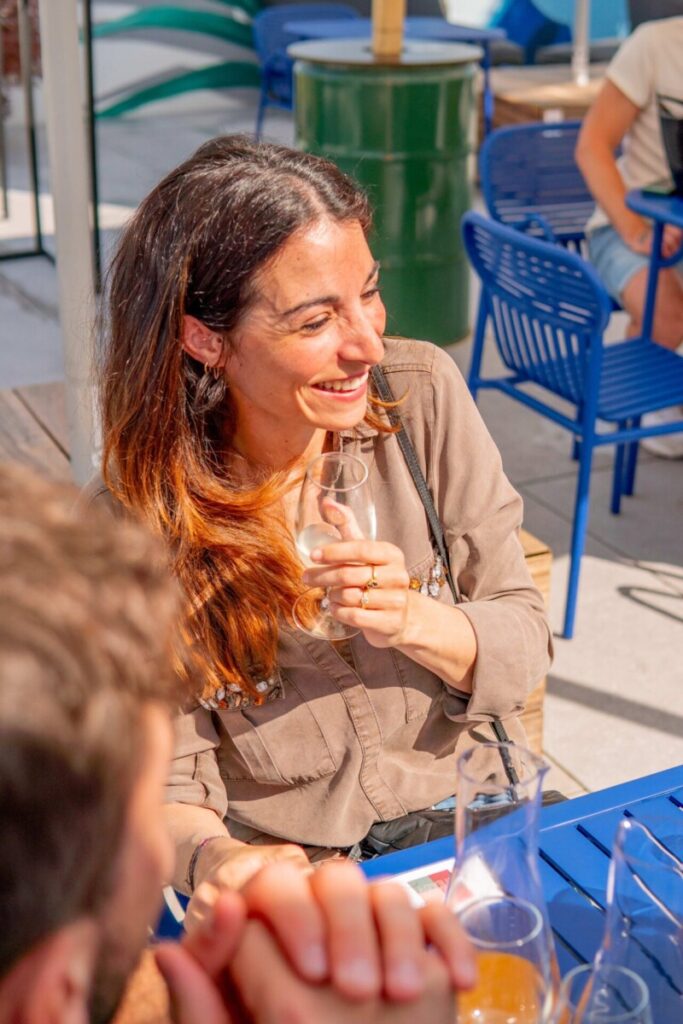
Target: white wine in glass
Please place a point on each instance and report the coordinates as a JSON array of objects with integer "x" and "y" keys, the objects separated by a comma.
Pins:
[{"x": 335, "y": 503}]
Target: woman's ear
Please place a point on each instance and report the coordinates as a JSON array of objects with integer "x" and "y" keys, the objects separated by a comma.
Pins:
[{"x": 201, "y": 342}]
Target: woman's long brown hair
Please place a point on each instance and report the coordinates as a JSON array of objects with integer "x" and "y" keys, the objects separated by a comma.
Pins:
[{"x": 194, "y": 246}]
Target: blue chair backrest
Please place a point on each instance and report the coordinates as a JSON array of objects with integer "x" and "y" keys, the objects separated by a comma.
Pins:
[
  {"x": 530, "y": 169},
  {"x": 525, "y": 25},
  {"x": 269, "y": 36},
  {"x": 547, "y": 306}
]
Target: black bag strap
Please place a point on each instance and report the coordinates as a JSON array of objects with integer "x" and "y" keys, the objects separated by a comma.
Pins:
[
  {"x": 406, "y": 445},
  {"x": 384, "y": 391}
]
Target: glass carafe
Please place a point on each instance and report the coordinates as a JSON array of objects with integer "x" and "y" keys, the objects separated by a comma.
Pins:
[
  {"x": 644, "y": 919},
  {"x": 498, "y": 800}
]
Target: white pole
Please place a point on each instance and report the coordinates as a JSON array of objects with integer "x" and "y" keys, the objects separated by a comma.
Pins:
[
  {"x": 581, "y": 47},
  {"x": 66, "y": 137}
]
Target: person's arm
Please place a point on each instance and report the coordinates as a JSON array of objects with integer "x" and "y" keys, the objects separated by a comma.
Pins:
[
  {"x": 602, "y": 131},
  {"x": 208, "y": 860}
]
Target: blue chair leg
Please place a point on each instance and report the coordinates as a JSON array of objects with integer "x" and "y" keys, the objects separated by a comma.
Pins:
[
  {"x": 576, "y": 446},
  {"x": 631, "y": 464},
  {"x": 473, "y": 377},
  {"x": 617, "y": 481},
  {"x": 618, "y": 477},
  {"x": 578, "y": 533}
]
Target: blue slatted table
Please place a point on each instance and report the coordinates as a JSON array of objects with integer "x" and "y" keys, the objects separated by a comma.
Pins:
[{"x": 575, "y": 839}]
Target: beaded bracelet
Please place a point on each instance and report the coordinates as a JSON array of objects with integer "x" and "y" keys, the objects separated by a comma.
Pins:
[{"x": 195, "y": 857}]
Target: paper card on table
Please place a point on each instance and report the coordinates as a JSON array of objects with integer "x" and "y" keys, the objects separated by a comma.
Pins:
[
  {"x": 426, "y": 884},
  {"x": 429, "y": 883}
]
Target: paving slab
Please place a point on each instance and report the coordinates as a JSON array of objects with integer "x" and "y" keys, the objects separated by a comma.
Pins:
[
  {"x": 614, "y": 707},
  {"x": 650, "y": 525},
  {"x": 560, "y": 779},
  {"x": 30, "y": 341}
]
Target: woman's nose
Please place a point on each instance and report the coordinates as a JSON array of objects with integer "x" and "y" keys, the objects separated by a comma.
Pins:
[{"x": 363, "y": 338}]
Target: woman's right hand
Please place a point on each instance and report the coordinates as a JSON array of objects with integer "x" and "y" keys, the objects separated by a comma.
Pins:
[{"x": 224, "y": 863}]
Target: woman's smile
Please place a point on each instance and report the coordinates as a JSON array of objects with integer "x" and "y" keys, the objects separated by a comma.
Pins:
[{"x": 345, "y": 387}]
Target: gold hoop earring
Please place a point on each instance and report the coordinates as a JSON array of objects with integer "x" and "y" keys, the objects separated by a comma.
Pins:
[{"x": 215, "y": 371}]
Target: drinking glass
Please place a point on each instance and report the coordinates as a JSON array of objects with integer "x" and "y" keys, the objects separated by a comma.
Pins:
[
  {"x": 335, "y": 504},
  {"x": 514, "y": 974},
  {"x": 644, "y": 913},
  {"x": 612, "y": 994},
  {"x": 498, "y": 800}
]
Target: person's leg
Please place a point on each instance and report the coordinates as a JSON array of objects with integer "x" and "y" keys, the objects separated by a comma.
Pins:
[{"x": 624, "y": 275}]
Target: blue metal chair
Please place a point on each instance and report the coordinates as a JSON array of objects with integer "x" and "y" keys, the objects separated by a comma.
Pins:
[
  {"x": 531, "y": 181},
  {"x": 548, "y": 311},
  {"x": 271, "y": 43}
]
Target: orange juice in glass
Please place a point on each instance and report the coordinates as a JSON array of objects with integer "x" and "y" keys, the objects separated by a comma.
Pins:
[{"x": 515, "y": 965}]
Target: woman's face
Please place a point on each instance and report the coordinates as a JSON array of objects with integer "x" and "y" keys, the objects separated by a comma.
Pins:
[{"x": 299, "y": 359}]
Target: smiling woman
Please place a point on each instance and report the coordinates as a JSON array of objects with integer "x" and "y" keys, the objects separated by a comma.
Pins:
[{"x": 244, "y": 320}]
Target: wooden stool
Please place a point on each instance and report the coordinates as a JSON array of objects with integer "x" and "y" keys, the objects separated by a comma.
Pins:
[{"x": 539, "y": 559}]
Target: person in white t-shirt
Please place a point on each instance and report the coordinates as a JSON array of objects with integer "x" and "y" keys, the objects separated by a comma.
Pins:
[{"x": 649, "y": 63}]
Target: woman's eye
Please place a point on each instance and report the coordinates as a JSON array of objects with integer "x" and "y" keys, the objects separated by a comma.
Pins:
[
  {"x": 315, "y": 325},
  {"x": 371, "y": 292}
]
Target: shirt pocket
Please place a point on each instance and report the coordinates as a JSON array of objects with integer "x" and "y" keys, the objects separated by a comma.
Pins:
[{"x": 277, "y": 743}]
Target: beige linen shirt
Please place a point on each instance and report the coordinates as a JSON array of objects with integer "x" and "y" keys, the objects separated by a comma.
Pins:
[{"x": 346, "y": 746}]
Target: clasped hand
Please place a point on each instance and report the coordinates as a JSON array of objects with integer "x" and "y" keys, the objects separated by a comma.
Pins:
[
  {"x": 325, "y": 946},
  {"x": 368, "y": 587}
]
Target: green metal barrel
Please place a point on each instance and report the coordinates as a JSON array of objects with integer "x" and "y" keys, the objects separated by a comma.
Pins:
[{"x": 403, "y": 131}]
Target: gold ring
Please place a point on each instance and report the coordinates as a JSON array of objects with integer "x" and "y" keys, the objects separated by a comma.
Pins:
[
  {"x": 373, "y": 582},
  {"x": 364, "y": 598}
]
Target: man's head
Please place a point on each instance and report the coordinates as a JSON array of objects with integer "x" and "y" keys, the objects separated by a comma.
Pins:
[{"x": 87, "y": 614}]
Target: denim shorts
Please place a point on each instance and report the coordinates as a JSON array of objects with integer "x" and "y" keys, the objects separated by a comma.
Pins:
[{"x": 614, "y": 262}]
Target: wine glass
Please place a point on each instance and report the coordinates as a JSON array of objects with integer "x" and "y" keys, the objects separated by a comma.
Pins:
[
  {"x": 335, "y": 504},
  {"x": 611, "y": 994},
  {"x": 515, "y": 984}
]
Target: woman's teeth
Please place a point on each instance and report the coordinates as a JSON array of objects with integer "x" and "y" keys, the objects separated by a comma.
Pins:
[{"x": 342, "y": 385}]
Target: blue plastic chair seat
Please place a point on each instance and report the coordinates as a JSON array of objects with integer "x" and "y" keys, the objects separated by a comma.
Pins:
[
  {"x": 638, "y": 376},
  {"x": 635, "y": 374}
]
